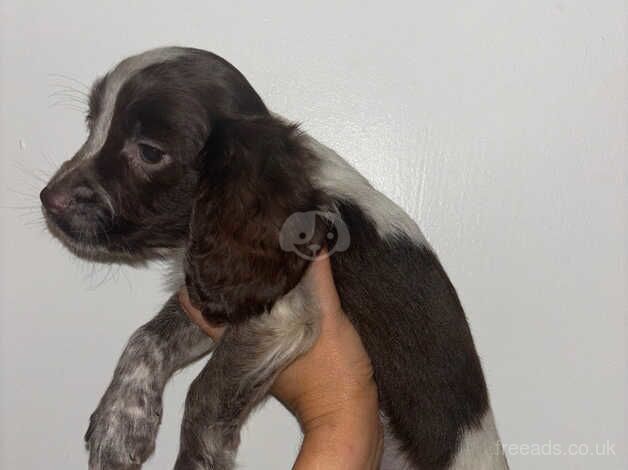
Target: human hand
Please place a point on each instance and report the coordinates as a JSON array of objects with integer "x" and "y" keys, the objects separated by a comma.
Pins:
[{"x": 330, "y": 388}]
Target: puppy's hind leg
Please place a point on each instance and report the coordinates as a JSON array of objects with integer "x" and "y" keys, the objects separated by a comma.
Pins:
[
  {"x": 122, "y": 430},
  {"x": 238, "y": 377}
]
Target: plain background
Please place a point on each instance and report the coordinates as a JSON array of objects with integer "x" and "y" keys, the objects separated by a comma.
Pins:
[{"x": 499, "y": 125}]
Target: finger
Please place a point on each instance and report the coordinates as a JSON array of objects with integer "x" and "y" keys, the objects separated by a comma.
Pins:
[
  {"x": 322, "y": 284},
  {"x": 196, "y": 316}
]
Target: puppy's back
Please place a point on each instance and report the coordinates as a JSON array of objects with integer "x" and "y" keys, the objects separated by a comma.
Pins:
[{"x": 407, "y": 312}]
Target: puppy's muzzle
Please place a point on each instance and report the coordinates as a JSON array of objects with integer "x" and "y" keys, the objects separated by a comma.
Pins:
[{"x": 57, "y": 201}]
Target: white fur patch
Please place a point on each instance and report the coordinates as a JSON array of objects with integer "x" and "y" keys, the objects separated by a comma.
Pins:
[
  {"x": 338, "y": 178},
  {"x": 289, "y": 330},
  {"x": 393, "y": 457},
  {"x": 115, "y": 80},
  {"x": 174, "y": 278},
  {"x": 141, "y": 373},
  {"x": 480, "y": 448}
]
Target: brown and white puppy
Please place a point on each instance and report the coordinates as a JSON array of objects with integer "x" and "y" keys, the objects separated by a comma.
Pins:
[{"x": 184, "y": 162}]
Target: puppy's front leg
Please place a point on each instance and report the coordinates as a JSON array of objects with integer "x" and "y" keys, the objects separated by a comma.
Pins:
[
  {"x": 237, "y": 378},
  {"x": 122, "y": 430}
]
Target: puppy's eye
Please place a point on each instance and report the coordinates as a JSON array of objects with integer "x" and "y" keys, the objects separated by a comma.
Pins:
[{"x": 151, "y": 155}]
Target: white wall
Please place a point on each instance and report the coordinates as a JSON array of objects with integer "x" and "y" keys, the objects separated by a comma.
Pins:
[{"x": 499, "y": 125}]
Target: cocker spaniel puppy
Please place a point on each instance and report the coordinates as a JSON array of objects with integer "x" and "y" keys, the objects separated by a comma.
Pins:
[{"x": 183, "y": 161}]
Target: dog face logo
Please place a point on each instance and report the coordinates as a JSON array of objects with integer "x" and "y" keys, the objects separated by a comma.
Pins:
[{"x": 297, "y": 233}]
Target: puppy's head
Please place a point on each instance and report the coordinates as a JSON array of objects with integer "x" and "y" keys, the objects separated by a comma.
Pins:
[
  {"x": 181, "y": 151},
  {"x": 127, "y": 193}
]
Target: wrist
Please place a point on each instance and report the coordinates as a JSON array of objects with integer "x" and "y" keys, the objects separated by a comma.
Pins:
[{"x": 348, "y": 437}]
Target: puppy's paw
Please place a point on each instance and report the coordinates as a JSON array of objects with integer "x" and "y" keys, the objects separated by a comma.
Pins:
[{"x": 122, "y": 431}]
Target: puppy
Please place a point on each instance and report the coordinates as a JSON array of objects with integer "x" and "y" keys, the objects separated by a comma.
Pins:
[{"x": 184, "y": 162}]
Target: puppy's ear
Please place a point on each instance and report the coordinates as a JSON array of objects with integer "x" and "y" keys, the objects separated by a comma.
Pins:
[{"x": 253, "y": 176}]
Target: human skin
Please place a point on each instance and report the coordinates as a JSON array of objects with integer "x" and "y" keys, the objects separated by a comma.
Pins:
[{"x": 330, "y": 389}]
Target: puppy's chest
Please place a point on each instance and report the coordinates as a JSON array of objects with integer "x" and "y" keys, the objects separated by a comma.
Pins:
[{"x": 174, "y": 274}]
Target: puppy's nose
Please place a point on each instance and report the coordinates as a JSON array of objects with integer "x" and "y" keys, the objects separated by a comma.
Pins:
[
  {"x": 314, "y": 247},
  {"x": 55, "y": 201}
]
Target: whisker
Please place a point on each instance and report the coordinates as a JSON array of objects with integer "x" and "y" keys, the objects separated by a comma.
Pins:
[
  {"x": 67, "y": 77},
  {"x": 66, "y": 90},
  {"x": 37, "y": 181},
  {"x": 41, "y": 173},
  {"x": 123, "y": 272},
  {"x": 62, "y": 90},
  {"x": 19, "y": 207},
  {"x": 35, "y": 214},
  {"x": 35, "y": 188},
  {"x": 29, "y": 203},
  {"x": 52, "y": 165},
  {"x": 20, "y": 166},
  {"x": 106, "y": 277},
  {"x": 68, "y": 97},
  {"x": 35, "y": 223},
  {"x": 30, "y": 196},
  {"x": 69, "y": 104},
  {"x": 67, "y": 85},
  {"x": 71, "y": 108},
  {"x": 73, "y": 100}
]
